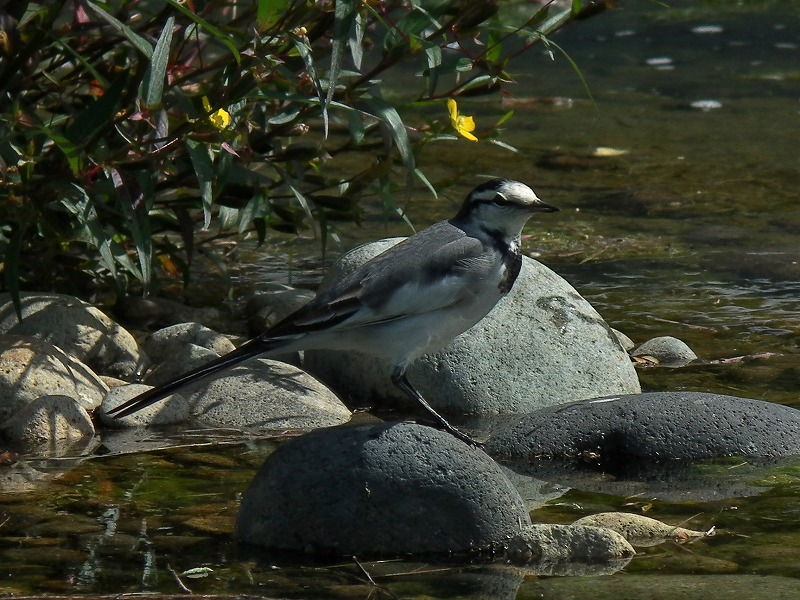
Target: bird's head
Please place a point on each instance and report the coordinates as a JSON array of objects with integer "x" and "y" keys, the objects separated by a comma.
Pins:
[{"x": 501, "y": 205}]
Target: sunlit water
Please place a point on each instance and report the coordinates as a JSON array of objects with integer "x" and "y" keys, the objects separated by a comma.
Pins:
[{"x": 691, "y": 231}]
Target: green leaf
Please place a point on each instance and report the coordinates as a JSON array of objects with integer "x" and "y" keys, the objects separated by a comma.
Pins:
[
  {"x": 134, "y": 38},
  {"x": 502, "y": 144},
  {"x": 433, "y": 56},
  {"x": 389, "y": 115},
  {"x": 67, "y": 147},
  {"x": 494, "y": 47},
  {"x": 463, "y": 65},
  {"x": 227, "y": 218},
  {"x": 548, "y": 42},
  {"x": 204, "y": 169},
  {"x": 287, "y": 116},
  {"x": 110, "y": 250},
  {"x": 251, "y": 213},
  {"x": 421, "y": 176},
  {"x": 344, "y": 16},
  {"x": 356, "y": 40},
  {"x": 549, "y": 18},
  {"x": 134, "y": 206},
  {"x": 157, "y": 72},
  {"x": 356, "y": 126},
  {"x": 209, "y": 28},
  {"x": 407, "y": 32},
  {"x": 304, "y": 50},
  {"x": 304, "y": 203},
  {"x": 384, "y": 191},
  {"x": 269, "y": 12},
  {"x": 504, "y": 118},
  {"x": 484, "y": 80}
]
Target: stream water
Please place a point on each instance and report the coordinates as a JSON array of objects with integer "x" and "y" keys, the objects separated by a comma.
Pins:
[{"x": 689, "y": 227}]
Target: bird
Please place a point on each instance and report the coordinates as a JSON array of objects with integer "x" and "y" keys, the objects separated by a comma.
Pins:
[{"x": 410, "y": 300}]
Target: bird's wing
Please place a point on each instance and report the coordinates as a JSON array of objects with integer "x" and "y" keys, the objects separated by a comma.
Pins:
[{"x": 436, "y": 268}]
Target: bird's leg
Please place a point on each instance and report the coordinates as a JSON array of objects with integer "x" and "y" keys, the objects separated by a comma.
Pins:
[{"x": 400, "y": 380}]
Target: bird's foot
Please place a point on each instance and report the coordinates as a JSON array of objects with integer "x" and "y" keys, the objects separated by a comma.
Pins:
[
  {"x": 464, "y": 437},
  {"x": 456, "y": 433}
]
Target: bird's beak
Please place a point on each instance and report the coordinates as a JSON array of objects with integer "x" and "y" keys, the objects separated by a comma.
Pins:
[{"x": 543, "y": 207}]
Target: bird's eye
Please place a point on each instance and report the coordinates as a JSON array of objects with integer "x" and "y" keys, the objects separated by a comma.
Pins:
[{"x": 500, "y": 200}]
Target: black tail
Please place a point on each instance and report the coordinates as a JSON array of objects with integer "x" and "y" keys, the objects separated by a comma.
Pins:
[{"x": 245, "y": 352}]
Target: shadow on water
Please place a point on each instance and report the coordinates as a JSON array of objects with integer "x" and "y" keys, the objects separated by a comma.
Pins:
[{"x": 678, "y": 189}]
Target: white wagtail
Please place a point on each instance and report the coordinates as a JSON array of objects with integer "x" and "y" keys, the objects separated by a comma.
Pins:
[{"x": 412, "y": 299}]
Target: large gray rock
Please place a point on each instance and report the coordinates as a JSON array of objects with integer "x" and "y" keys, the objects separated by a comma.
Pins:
[
  {"x": 656, "y": 425},
  {"x": 30, "y": 368},
  {"x": 78, "y": 328},
  {"x": 542, "y": 345},
  {"x": 380, "y": 490}
]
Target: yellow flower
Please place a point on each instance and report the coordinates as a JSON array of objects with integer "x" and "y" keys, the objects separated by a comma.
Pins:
[
  {"x": 463, "y": 125},
  {"x": 220, "y": 118}
]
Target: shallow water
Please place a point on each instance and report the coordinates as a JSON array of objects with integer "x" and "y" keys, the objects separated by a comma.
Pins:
[{"x": 693, "y": 232}]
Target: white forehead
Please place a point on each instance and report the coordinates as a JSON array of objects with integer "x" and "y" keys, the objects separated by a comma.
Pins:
[
  {"x": 519, "y": 191},
  {"x": 509, "y": 189}
]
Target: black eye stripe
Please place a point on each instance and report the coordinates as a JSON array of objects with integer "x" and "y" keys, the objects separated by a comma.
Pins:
[{"x": 499, "y": 200}]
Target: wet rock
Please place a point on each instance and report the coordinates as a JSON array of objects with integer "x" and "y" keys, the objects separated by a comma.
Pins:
[
  {"x": 380, "y": 490},
  {"x": 667, "y": 350},
  {"x": 551, "y": 543},
  {"x": 268, "y": 307},
  {"x": 31, "y": 368},
  {"x": 78, "y": 328},
  {"x": 259, "y": 394},
  {"x": 169, "y": 411},
  {"x": 543, "y": 344},
  {"x": 658, "y": 425},
  {"x": 52, "y": 424},
  {"x": 624, "y": 341},
  {"x": 265, "y": 394},
  {"x": 162, "y": 345},
  {"x": 183, "y": 359}
]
